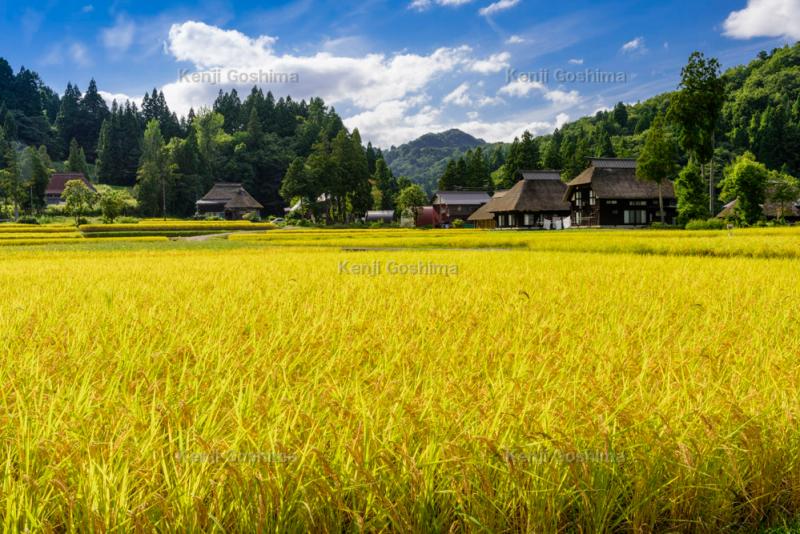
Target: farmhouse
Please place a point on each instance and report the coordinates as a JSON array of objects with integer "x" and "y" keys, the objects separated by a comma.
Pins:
[
  {"x": 229, "y": 201},
  {"x": 452, "y": 205},
  {"x": 483, "y": 218},
  {"x": 608, "y": 193},
  {"x": 536, "y": 201},
  {"x": 790, "y": 211},
  {"x": 58, "y": 181}
]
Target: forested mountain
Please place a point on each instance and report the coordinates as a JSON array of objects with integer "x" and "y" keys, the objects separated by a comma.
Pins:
[{"x": 424, "y": 160}]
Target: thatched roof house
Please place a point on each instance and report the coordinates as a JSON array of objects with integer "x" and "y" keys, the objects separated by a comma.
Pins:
[
  {"x": 229, "y": 201},
  {"x": 58, "y": 181},
  {"x": 483, "y": 218},
  {"x": 772, "y": 210},
  {"x": 608, "y": 193}
]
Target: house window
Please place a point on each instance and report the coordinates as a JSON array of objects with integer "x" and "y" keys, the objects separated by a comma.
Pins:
[
  {"x": 500, "y": 221},
  {"x": 578, "y": 218},
  {"x": 530, "y": 219},
  {"x": 579, "y": 198},
  {"x": 637, "y": 203},
  {"x": 591, "y": 197},
  {"x": 635, "y": 216}
]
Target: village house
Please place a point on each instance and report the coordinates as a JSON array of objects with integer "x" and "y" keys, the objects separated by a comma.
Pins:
[
  {"x": 228, "y": 201},
  {"x": 58, "y": 181},
  {"x": 452, "y": 205},
  {"x": 608, "y": 193},
  {"x": 536, "y": 201},
  {"x": 789, "y": 212},
  {"x": 483, "y": 218}
]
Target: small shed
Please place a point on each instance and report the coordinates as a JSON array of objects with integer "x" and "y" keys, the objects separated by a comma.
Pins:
[
  {"x": 379, "y": 216},
  {"x": 483, "y": 218},
  {"x": 228, "y": 200}
]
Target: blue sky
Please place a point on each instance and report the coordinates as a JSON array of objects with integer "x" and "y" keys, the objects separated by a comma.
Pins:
[{"x": 394, "y": 69}]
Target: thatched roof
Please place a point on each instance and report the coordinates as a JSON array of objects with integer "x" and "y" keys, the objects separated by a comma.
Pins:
[
  {"x": 545, "y": 174},
  {"x": 58, "y": 181},
  {"x": 232, "y": 196},
  {"x": 616, "y": 178},
  {"x": 791, "y": 210},
  {"x": 533, "y": 195},
  {"x": 483, "y": 213}
]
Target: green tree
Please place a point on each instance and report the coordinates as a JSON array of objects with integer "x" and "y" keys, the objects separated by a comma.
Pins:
[
  {"x": 77, "y": 159},
  {"x": 79, "y": 199},
  {"x": 691, "y": 193},
  {"x": 386, "y": 184},
  {"x": 783, "y": 189},
  {"x": 112, "y": 204},
  {"x": 746, "y": 182},
  {"x": 696, "y": 110},
  {"x": 155, "y": 173},
  {"x": 411, "y": 199},
  {"x": 657, "y": 161},
  {"x": 35, "y": 175}
]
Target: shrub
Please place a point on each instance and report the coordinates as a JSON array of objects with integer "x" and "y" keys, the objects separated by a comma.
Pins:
[
  {"x": 458, "y": 223},
  {"x": 709, "y": 224},
  {"x": 252, "y": 217},
  {"x": 27, "y": 220}
]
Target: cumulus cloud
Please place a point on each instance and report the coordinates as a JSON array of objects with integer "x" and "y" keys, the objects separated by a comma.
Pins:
[
  {"x": 558, "y": 96},
  {"x": 119, "y": 37},
  {"x": 520, "y": 87},
  {"x": 492, "y": 64},
  {"x": 459, "y": 96},
  {"x": 634, "y": 45},
  {"x": 515, "y": 39},
  {"x": 120, "y": 98},
  {"x": 364, "y": 82},
  {"x": 765, "y": 18},
  {"x": 496, "y": 7}
]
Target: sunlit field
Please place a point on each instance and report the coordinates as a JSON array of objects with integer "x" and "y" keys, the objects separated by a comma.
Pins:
[{"x": 400, "y": 380}]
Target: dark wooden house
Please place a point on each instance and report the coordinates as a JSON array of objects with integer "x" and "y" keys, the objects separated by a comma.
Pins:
[
  {"x": 228, "y": 201},
  {"x": 608, "y": 193},
  {"x": 58, "y": 181},
  {"x": 536, "y": 201},
  {"x": 452, "y": 205}
]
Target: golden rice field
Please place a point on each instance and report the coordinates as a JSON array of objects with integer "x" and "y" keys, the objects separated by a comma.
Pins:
[{"x": 580, "y": 381}]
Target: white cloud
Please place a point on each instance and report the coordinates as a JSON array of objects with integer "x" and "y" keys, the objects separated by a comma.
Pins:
[
  {"x": 79, "y": 54},
  {"x": 520, "y": 87},
  {"x": 496, "y": 7},
  {"x": 459, "y": 96},
  {"x": 515, "y": 39},
  {"x": 492, "y": 64},
  {"x": 558, "y": 96},
  {"x": 472, "y": 115},
  {"x": 765, "y": 18},
  {"x": 634, "y": 45},
  {"x": 121, "y": 98},
  {"x": 576, "y": 61},
  {"x": 422, "y": 5},
  {"x": 364, "y": 82},
  {"x": 119, "y": 37}
]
